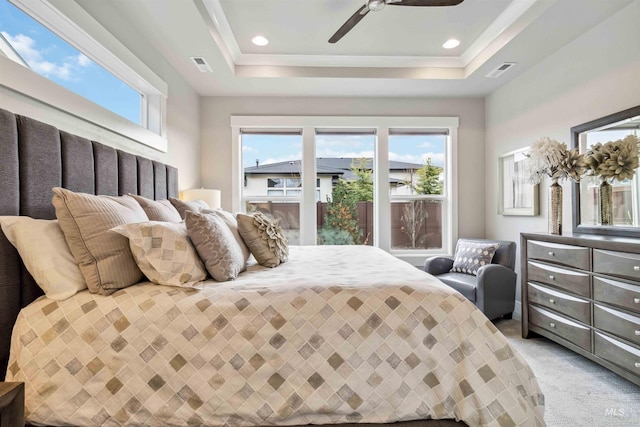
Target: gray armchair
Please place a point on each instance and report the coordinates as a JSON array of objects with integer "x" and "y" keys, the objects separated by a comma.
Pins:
[{"x": 493, "y": 290}]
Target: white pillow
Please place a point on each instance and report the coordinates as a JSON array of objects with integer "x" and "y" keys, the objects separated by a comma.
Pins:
[
  {"x": 46, "y": 255},
  {"x": 164, "y": 252}
]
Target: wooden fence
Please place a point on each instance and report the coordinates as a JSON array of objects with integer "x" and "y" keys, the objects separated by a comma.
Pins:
[{"x": 414, "y": 225}]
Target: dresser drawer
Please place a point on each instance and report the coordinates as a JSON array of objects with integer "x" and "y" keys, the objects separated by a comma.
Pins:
[
  {"x": 577, "y": 308},
  {"x": 617, "y": 352},
  {"x": 617, "y": 293},
  {"x": 621, "y": 264},
  {"x": 577, "y": 333},
  {"x": 616, "y": 322},
  {"x": 572, "y": 256},
  {"x": 572, "y": 281}
]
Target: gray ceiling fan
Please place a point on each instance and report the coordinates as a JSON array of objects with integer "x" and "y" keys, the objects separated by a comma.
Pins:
[{"x": 378, "y": 5}]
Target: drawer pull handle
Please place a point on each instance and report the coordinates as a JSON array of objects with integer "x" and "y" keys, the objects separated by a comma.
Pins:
[
  {"x": 552, "y": 301},
  {"x": 551, "y": 253},
  {"x": 552, "y": 277},
  {"x": 553, "y": 325},
  {"x": 636, "y": 300},
  {"x": 637, "y": 333},
  {"x": 636, "y": 268}
]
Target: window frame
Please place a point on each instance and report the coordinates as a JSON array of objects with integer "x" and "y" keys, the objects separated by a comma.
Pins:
[
  {"x": 382, "y": 126},
  {"x": 73, "y": 24}
]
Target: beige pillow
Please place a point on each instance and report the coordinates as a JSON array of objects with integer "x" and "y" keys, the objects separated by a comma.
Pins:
[
  {"x": 232, "y": 223},
  {"x": 216, "y": 245},
  {"x": 183, "y": 207},
  {"x": 158, "y": 210},
  {"x": 164, "y": 252},
  {"x": 45, "y": 254},
  {"x": 104, "y": 257},
  {"x": 264, "y": 238}
]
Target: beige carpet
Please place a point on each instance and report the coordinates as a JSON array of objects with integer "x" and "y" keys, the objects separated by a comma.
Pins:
[{"x": 577, "y": 391}]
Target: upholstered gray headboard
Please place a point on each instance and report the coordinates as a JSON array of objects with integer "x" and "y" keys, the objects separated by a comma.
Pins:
[{"x": 34, "y": 157}]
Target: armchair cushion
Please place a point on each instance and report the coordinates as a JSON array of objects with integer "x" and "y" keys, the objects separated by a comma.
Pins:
[
  {"x": 437, "y": 265},
  {"x": 464, "y": 283},
  {"x": 471, "y": 255}
]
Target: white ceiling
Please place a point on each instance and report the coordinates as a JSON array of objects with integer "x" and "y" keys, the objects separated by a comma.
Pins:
[{"x": 393, "y": 52}]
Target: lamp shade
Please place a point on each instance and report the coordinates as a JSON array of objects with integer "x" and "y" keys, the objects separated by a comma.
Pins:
[{"x": 210, "y": 196}]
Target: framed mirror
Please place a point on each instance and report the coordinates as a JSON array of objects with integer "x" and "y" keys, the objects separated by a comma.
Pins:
[{"x": 626, "y": 193}]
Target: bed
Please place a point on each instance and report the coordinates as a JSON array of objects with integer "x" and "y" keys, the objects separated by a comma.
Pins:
[{"x": 335, "y": 335}]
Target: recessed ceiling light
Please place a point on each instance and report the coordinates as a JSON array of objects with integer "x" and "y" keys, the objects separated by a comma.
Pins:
[
  {"x": 451, "y": 43},
  {"x": 260, "y": 41}
]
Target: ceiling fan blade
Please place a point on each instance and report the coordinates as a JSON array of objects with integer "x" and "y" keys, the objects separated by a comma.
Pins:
[
  {"x": 351, "y": 22},
  {"x": 424, "y": 2}
]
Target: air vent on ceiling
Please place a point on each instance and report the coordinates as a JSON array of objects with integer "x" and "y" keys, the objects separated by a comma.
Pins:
[
  {"x": 202, "y": 64},
  {"x": 497, "y": 72}
]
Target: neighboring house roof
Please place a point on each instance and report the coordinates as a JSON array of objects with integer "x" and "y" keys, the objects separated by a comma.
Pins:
[{"x": 325, "y": 165}]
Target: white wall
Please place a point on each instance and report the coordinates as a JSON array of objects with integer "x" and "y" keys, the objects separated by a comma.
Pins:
[
  {"x": 593, "y": 76},
  {"x": 183, "y": 113},
  {"x": 215, "y": 113}
]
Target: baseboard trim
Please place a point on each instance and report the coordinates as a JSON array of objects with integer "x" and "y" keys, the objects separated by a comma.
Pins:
[{"x": 517, "y": 311}]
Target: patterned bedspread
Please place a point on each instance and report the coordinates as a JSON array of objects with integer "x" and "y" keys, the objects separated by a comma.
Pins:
[{"x": 335, "y": 335}]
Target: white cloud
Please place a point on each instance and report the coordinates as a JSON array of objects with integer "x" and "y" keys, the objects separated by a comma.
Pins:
[
  {"x": 248, "y": 149},
  {"x": 437, "y": 159},
  {"x": 284, "y": 158},
  {"x": 83, "y": 60},
  {"x": 26, "y": 47},
  {"x": 346, "y": 141},
  {"x": 328, "y": 152}
]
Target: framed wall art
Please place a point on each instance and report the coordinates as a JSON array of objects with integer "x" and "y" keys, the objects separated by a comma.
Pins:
[{"x": 516, "y": 196}]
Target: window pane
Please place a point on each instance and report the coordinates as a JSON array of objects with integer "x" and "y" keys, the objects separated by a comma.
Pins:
[
  {"x": 416, "y": 168},
  {"x": 36, "y": 47},
  {"x": 275, "y": 182},
  {"x": 294, "y": 183},
  {"x": 345, "y": 179},
  {"x": 270, "y": 161},
  {"x": 416, "y": 224}
]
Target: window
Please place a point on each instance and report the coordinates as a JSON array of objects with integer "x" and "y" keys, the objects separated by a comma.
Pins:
[
  {"x": 417, "y": 189},
  {"x": 34, "y": 46},
  {"x": 400, "y": 169},
  {"x": 40, "y": 36},
  {"x": 344, "y": 167},
  {"x": 271, "y": 169}
]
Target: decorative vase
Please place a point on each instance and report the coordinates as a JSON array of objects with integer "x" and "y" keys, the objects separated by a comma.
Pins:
[
  {"x": 555, "y": 208},
  {"x": 605, "y": 203}
]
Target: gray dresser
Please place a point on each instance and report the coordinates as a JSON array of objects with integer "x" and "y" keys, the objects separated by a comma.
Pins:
[{"x": 583, "y": 292}]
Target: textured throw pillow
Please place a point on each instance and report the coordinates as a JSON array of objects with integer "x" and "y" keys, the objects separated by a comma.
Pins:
[
  {"x": 264, "y": 238},
  {"x": 45, "y": 254},
  {"x": 164, "y": 253},
  {"x": 183, "y": 207},
  {"x": 104, "y": 257},
  {"x": 470, "y": 256},
  {"x": 216, "y": 245},
  {"x": 158, "y": 210},
  {"x": 232, "y": 223}
]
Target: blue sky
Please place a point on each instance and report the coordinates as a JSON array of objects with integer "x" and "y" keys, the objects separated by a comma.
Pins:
[
  {"x": 279, "y": 148},
  {"x": 52, "y": 57}
]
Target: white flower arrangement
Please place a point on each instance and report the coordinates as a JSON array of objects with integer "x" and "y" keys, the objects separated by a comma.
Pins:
[{"x": 548, "y": 157}]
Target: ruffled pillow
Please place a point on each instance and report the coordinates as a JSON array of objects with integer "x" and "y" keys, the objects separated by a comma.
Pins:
[{"x": 264, "y": 238}]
